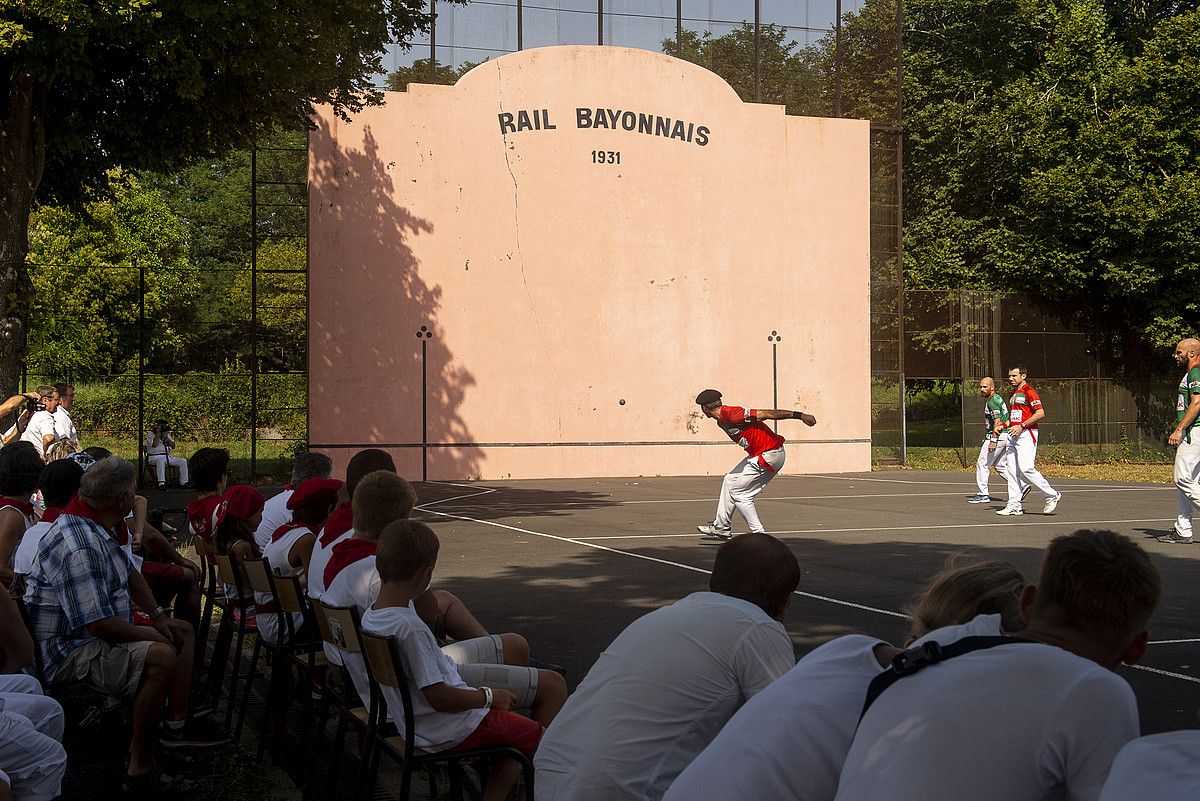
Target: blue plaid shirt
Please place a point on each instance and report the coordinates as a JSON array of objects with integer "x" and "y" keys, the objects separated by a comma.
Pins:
[{"x": 80, "y": 575}]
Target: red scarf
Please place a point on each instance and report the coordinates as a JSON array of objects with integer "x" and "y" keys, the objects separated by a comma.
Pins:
[
  {"x": 51, "y": 514},
  {"x": 24, "y": 507},
  {"x": 347, "y": 553},
  {"x": 199, "y": 514},
  {"x": 79, "y": 508},
  {"x": 341, "y": 521},
  {"x": 282, "y": 531}
]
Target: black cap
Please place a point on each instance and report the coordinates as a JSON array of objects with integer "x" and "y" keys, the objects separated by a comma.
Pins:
[{"x": 708, "y": 397}]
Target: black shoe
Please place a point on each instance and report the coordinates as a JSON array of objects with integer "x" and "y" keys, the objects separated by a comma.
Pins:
[
  {"x": 1174, "y": 537},
  {"x": 196, "y": 733}
]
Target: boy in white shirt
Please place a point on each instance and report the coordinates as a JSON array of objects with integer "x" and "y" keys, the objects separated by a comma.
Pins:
[{"x": 447, "y": 713}]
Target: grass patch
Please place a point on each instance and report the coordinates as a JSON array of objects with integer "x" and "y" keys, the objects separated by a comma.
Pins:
[{"x": 1074, "y": 465}]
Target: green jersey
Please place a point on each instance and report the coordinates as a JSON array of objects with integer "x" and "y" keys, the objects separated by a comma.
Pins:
[
  {"x": 996, "y": 409},
  {"x": 1189, "y": 386}
]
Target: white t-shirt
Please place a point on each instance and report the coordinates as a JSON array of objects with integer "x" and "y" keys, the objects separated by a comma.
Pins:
[
  {"x": 1010, "y": 723},
  {"x": 1161, "y": 767},
  {"x": 275, "y": 514},
  {"x": 424, "y": 666},
  {"x": 356, "y": 585},
  {"x": 27, "y": 550},
  {"x": 318, "y": 562},
  {"x": 64, "y": 426},
  {"x": 41, "y": 424},
  {"x": 790, "y": 740},
  {"x": 277, "y": 553},
  {"x": 657, "y": 696}
]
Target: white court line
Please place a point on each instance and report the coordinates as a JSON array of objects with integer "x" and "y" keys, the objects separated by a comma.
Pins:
[
  {"x": 556, "y": 505},
  {"x": 947, "y": 483},
  {"x": 651, "y": 559},
  {"x": 1169, "y": 642},
  {"x": 1149, "y": 669},
  {"x": 1039, "y": 522},
  {"x": 483, "y": 491}
]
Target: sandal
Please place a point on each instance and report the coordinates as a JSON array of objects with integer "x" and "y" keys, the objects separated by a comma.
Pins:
[{"x": 155, "y": 783}]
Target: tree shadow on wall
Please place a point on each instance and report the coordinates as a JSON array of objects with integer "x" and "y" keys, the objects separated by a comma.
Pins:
[{"x": 367, "y": 344}]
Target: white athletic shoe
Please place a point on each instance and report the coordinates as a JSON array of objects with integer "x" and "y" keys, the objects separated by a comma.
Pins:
[
  {"x": 1010, "y": 511},
  {"x": 979, "y": 498},
  {"x": 717, "y": 533},
  {"x": 1051, "y": 504}
]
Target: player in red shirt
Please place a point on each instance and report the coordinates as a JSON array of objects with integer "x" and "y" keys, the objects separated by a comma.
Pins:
[
  {"x": 1024, "y": 412},
  {"x": 765, "y": 456}
]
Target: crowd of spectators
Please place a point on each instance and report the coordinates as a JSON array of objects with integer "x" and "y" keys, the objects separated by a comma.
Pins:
[{"x": 1006, "y": 689}]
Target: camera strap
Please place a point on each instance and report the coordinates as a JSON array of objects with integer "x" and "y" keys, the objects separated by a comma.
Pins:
[{"x": 914, "y": 660}]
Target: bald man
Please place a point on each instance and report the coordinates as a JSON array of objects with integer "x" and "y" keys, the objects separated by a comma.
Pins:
[
  {"x": 994, "y": 451},
  {"x": 1186, "y": 439}
]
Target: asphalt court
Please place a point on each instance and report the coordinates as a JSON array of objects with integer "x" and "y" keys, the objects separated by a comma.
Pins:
[{"x": 570, "y": 563}]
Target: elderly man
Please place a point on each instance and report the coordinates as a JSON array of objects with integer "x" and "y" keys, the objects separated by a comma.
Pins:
[
  {"x": 40, "y": 430},
  {"x": 160, "y": 453},
  {"x": 663, "y": 689},
  {"x": 81, "y": 595},
  {"x": 1186, "y": 439}
]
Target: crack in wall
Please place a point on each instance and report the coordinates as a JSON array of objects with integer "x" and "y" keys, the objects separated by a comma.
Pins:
[{"x": 517, "y": 235}]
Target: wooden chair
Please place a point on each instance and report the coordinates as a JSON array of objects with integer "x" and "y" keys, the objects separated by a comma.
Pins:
[
  {"x": 340, "y": 629},
  {"x": 236, "y": 623},
  {"x": 212, "y": 596},
  {"x": 385, "y": 666}
]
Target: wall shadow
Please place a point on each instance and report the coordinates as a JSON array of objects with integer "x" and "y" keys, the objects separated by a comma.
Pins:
[
  {"x": 370, "y": 314},
  {"x": 506, "y": 502}
]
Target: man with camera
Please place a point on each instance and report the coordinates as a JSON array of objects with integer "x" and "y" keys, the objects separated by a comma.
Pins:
[
  {"x": 159, "y": 453},
  {"x": 40, "y": 429}
]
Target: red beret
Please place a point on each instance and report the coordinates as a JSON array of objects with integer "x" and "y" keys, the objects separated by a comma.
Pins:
[
  {"x": 241, "y": 502},
  {"x": 314, "y": 490}
]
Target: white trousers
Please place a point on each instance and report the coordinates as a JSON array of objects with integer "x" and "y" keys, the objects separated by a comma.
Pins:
[
  {"x": 1022, "y": 451},
  {"x": 988, "y": 458},
  {"x": 23, "y": 695},
  {"x": 1187, "y": 479},
  {"x": 740, "y": 486},
  {"x": 32, "y": 763},
  {"x": 160, "y": 462}
]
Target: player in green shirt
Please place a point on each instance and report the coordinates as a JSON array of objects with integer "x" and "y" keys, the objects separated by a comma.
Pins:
[
  {"x": 994, "y": 451},
  {"x": 1186, "y": 439}
]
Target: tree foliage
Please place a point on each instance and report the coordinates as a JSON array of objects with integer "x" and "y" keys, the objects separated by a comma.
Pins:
[{"x": 1044, "y": 154}]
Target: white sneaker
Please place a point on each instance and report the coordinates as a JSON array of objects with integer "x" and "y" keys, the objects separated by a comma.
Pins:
[
  {"x": 1010, "y": 511},
  {"x": 713, "y": 531},
  {"x": 1051, "y": 504},
  {"x": 979, "y": 498}
]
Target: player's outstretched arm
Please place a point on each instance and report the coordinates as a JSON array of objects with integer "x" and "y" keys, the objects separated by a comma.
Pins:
[{"x": 786, "y": 414}]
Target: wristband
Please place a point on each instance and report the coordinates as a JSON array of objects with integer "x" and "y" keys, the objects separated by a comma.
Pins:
[
  {"x": 158, "y": 612},
  {"x": 487, "y": 696},
  {"x": 797, "y": 415}
]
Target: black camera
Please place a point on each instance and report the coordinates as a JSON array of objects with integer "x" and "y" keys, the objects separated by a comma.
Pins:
[{"x": 35, "y": 406}]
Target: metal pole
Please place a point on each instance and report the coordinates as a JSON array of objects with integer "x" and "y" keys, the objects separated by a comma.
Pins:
[
  {"x": 424, "y": 334},
  {"x": 837, "y": 61},
  {"x": 600, "y": 22},
  {"x": 757, "y": 54},
  {"x": 679, "y": 26},
  {"x": 900, "y": 218},
  {"x": 432, "y": 41},
  {"x": 254, "y": 307},
  {"x": 520, "y": 24},
  {"x": 775, "y": 339},
  {"x": 141, "y": 460}
]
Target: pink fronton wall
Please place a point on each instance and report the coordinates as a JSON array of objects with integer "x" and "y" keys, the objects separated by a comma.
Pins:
[{"x": 553, "y": 284}]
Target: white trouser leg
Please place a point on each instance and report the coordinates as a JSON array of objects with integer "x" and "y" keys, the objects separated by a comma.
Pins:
[
  {"x": 33, "y": 762},
  {"x": 160, "y": 466},
  {"x": 1187, "y": 479},
  {"x": 740, "y": 486},
  {"x": 43, "y": 712},
  {"x": 983, "y": 467},
  {"x": 1012, "y": 475},
  {"x": 181, "y": 463},
  {"x": 1023, "y": 449}
]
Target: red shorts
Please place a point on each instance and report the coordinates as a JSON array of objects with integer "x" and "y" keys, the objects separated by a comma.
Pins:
[
  {"x": 161, "y": 573},
  {"x": 501, "y": 727}
]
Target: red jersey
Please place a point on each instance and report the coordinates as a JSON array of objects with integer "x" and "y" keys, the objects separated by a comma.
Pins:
[
  {"x": 743, "y": 427},
  {"x": 1021, "y": 406},
  {"x": 200, "y": 516}
]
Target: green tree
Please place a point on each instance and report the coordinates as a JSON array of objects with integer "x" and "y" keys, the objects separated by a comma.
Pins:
[
  {"x": 89, "y": 85},
  {"x": 85, "y": 266},
  {"x": 421, "y": 72},
  {"x": 1041, "y": 156}
]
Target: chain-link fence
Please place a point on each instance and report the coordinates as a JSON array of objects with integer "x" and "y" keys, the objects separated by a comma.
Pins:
[
  {"x": 147, "y": 325},
  {"x": 954, "y": 338}
]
